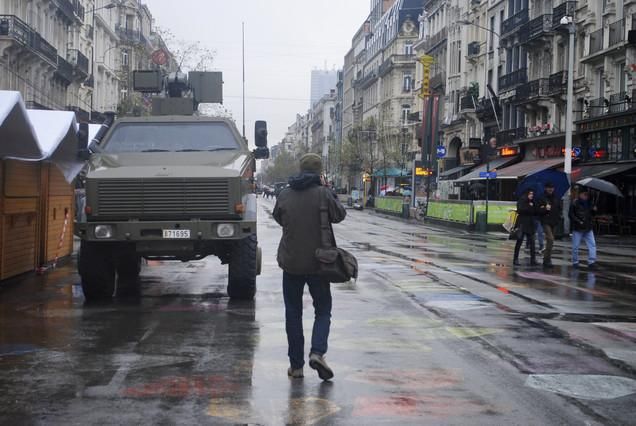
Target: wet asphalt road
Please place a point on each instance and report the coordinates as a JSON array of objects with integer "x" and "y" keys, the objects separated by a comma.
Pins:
[{"x": 439, "y": 329}]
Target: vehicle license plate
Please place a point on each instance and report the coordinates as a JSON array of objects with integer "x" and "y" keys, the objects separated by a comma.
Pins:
[{"x": 176, "y": 234}]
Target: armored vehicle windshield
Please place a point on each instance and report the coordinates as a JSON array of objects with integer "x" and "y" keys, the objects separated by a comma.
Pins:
[{"x": 171, "y": 137}]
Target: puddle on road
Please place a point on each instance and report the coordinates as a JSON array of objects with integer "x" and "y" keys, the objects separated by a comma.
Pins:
[{"x": 582, "y": 386}]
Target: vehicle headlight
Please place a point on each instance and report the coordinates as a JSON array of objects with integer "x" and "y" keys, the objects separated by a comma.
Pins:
[
  {"x": 225, "y": 230},
  {"x": 103, "y": 232}
]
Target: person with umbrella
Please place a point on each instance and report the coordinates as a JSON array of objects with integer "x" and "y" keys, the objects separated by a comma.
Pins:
[
  {"x": 550, "y": 208},
  {"x": 581, "y": 213},
  {"x": 527, "y": 210}
]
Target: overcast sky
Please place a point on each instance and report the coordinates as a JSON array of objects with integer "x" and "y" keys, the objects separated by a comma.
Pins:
[{"x": 285, "y": 40}]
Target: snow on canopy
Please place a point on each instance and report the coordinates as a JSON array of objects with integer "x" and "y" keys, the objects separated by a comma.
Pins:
[{"x": 38, "y": 135}]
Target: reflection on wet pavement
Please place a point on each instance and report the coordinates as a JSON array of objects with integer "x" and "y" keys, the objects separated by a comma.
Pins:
[{"x": 438, "y": 329}]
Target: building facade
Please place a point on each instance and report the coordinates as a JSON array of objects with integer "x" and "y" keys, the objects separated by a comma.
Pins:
[
  {"x": 322, "y": 83},
  {"x": 77, "y": 54}
]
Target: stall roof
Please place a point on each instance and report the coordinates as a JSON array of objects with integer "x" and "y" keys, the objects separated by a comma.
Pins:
[
  {"x": 526, "y": 168},
  {"x": 17, "y": 136},
  {"x": 600, "y": 170},
  {"x": 36, "y": 135},
  {"x": 454, "y": 170},
  {"x": 495, "y": 165}
]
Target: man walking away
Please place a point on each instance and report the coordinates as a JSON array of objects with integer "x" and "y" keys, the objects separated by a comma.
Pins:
[
  {"x": 551, "y": 217},
  {"x": 527, "y": 211},
  {"x": 581, "y": 212},
  {"x": 297, "y": 210}
]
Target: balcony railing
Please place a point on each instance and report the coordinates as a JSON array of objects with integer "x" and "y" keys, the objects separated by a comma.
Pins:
[
  {"x": 13, "y": 27},
  {"x": 467, "y": 103},
  {"x": 80, "y": 63},
  {"x": 539, "y": 26},
  {"x": 619, "y": 102},
  {"x": 557, "y": 83},
  {"x": 64, "y": 69},
  {"x": 434, "y": 40},
  {"x": 128, "y": 35},
  {"x": 367, "y": 80},
  {"x": 567, "y": 8},
  {"x": 486, "y": 110},
  {"x": 617, "y": 32},
  {"x": 509, "y": 136},
  {"x": 515, "y": 22},
  {"x": 598, "y": 107},
  {"x": 596, "y": 41},
  {"x": 532, "y": 89},
  {"x": 515, "y": 78}
]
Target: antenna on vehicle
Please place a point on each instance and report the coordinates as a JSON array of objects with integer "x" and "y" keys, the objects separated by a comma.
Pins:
[{"x": 243, "y": 80}]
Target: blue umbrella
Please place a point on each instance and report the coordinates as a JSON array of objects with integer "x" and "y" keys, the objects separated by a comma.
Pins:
[{"x": 536, "y": 182}]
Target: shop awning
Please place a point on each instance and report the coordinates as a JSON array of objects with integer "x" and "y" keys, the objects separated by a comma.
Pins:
[
  {"x": 495, "y": 165},
  {"x": 526, "y": 168},
  {"x": 36, "y": 135},
  {"x": 600, "y": 170},
  {"x": 450, "y": 172}
]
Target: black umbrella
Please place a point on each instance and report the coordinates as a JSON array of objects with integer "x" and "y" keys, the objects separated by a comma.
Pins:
[{"x": 601, "y": 185}]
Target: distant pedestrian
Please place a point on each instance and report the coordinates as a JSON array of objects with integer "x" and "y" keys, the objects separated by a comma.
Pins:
[
  {"x": 551, "y": 216},
  {"x": 527, "y": 210},
  {"x": 297, "y": 210},
  {"x": 581, "y": 214}
]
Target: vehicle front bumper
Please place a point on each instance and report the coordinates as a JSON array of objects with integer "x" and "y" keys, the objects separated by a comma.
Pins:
[{"x": 137, "y": 231}]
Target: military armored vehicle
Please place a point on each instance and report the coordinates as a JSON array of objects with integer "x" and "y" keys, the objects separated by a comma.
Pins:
[{"x": 171, "y": 186}]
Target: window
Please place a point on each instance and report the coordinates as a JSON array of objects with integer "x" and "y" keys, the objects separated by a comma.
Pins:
[
  {"x": 406, "y": 110},
  {"x": 408, "y": 48},
  {"x": 407, "y": 82},
  {"x": 170, "y": 137},
  {"x": 124, "y": 58},
  {"x": 621, "y": 78},
  {"x": 491, "y": 33},
  {"x": 600, "y": 82}
]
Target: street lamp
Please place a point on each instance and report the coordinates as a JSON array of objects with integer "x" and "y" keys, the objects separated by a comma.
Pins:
[{"x": 571, "y": 29}]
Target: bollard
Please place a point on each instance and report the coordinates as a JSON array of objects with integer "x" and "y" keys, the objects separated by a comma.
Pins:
[{"x": 481, "y": 223}]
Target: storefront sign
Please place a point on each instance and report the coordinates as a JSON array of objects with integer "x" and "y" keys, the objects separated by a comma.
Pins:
[
  {"x": 468, "y": 156},
  {"x": 607, "y": 123},
  {"x": 508, "y": 151}
]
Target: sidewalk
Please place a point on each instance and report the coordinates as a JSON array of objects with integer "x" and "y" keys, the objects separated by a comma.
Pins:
[{"x": 611, "y": 245}]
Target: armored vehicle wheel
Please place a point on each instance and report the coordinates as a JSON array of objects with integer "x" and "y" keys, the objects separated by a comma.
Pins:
[
  {"x": 97, "y": 269},
  {"x": 242, "y": 270},
  {"x": 128, "y": 269}
]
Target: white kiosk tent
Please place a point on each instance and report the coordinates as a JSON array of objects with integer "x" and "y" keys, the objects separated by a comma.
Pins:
[{"x": 38, "y": 153}]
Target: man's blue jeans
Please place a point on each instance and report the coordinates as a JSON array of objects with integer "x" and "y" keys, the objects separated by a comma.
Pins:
[
  {"x": 320, "y": 290},
  {"x": 590, "y": 242}
]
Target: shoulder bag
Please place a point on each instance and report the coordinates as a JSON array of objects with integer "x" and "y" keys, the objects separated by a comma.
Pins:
[{"x": 335, "y": 265}]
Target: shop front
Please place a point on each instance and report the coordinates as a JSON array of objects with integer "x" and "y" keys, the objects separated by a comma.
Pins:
[{"x": 607, "y": 150}]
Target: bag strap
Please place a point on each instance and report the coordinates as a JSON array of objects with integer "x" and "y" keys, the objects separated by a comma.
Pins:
[{"x": 327, "y": 239}]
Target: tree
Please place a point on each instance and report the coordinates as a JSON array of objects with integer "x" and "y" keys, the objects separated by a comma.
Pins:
[
  {"x": 284, "y": 166},
  {"x": 359, "y": 151},
  {"x": 189, "y": 55}
]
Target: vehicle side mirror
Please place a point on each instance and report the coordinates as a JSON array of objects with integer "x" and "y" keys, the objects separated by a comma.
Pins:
[
  {"x": 260, "y": 134},
  {"x": 261, "y": 153},
  {"x": 82, "y": 142}
]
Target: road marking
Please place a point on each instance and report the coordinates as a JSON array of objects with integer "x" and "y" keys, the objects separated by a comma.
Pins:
[
  {"x": 581, "y": 386},
  {"x": 296, "y": 411},
  {"x": 410, "y": 379}
]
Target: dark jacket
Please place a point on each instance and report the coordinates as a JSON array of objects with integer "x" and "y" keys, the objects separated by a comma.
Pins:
[
  {"x": 527, "y": 211},
  {"x": 297, "y": 210},
  {"x": 552, "y": 217},
  {"x": 581, "y": 214}
]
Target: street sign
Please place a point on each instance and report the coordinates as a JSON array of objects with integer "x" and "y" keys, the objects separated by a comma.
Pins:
[
  {"x": 577, "y": 152},
  {"x": 159, "y": 57},
  {"x": 488, "y": 175},
  {"x": 441, "y": 151}
]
